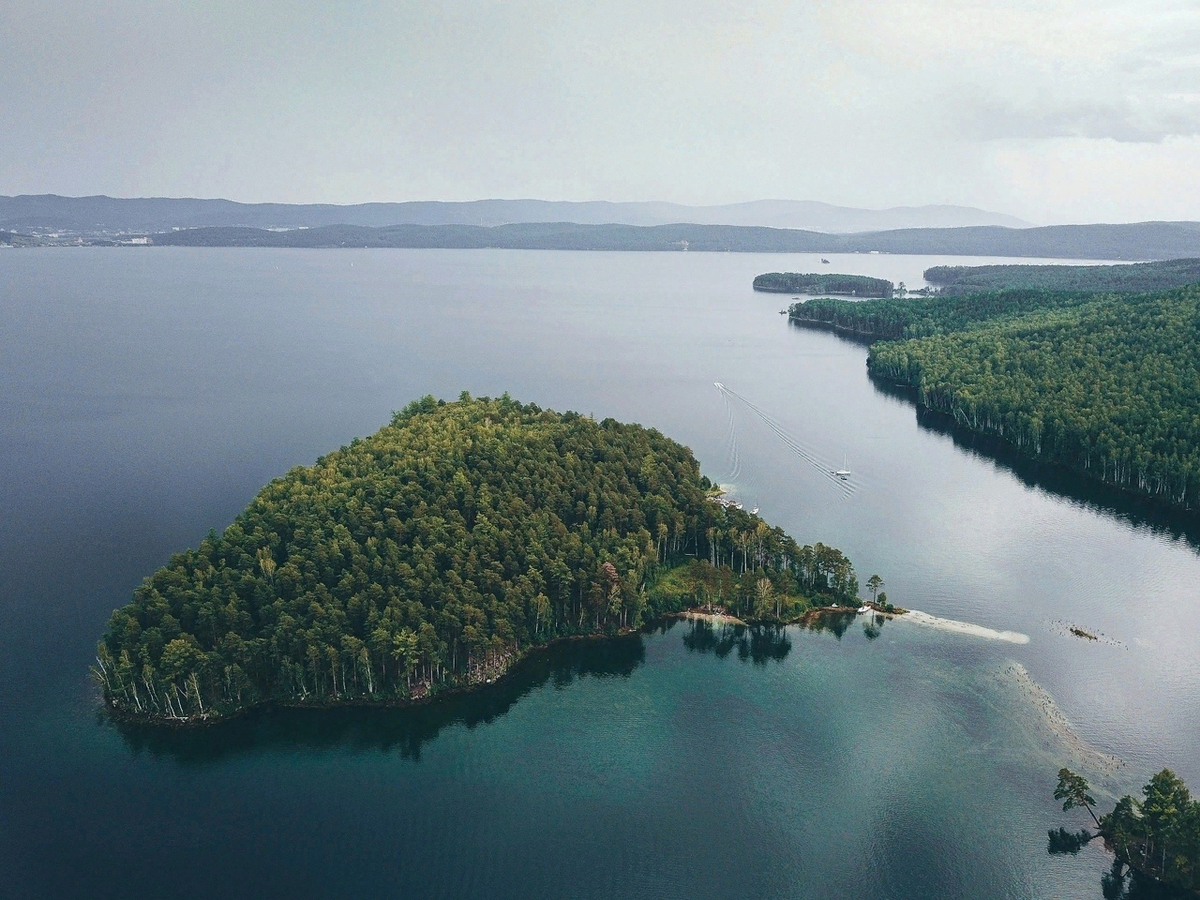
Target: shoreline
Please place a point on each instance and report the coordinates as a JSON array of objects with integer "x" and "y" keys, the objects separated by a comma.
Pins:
[
  {"x": 203, "y": 721},
  {"x": 712, "y": 617},
  {"x": 997, "y": 447},
  {"x": 698, "y": 613},
  {"x": 694, "y": 614},
  {"x": 866, "y": 338}
]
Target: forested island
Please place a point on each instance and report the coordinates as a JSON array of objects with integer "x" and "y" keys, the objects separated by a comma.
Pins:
[
  {"x": 435, "y": 553},
  {"x": 823, "y": 283},
  {"x": 1157, "y": 834},
  {"x": 1106, "y": 385},
  {"x": 1135, "y": 278}
]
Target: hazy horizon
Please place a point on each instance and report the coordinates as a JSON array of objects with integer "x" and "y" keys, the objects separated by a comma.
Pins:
[
  {"x": 605, "y": 200},
  {"x": 1050, "y": 112}
]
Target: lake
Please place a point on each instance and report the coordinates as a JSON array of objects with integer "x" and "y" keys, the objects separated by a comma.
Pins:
[{"x": 148, "y": 394}]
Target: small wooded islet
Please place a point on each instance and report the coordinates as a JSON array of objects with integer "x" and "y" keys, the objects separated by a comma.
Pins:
[{"x": 433, "y": 554}]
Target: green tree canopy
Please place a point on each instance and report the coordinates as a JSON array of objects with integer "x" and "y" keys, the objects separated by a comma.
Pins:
[
  {"x": 438, "y": 550},
  {"x": 1106, "y": 385}
]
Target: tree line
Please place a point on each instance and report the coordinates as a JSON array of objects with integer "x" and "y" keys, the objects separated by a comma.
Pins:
[
  {"x": 1132, "y": 278},
  {"x": 433, "y": 553},
  {"x": 823, "y": 283},
  {"x": 1106, "y": 385},
  {"x": 898, "y": 319},
  {"x": 1157, "y": 834}
]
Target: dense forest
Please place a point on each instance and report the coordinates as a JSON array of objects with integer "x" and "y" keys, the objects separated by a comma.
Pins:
[
  {"x": 898, "y": 318},
  {"x": 1135, "y": 278},
  {"x": 435, "y": 552},
  {"x": 1157, "y": 834},
  {"x": 823, "y": 283},
  {"x": 1107, "y": 385},
  {"x": 1110, "y": 388}
]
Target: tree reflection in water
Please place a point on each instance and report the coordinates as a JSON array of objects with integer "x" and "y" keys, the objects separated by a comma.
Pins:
[
  {"x": 873, "y": 626},
  {"x": 1119, "y": 882},
  {"x": 835, "y": 623},
  {"x": 405, "y": 730},
  {"x": 759, "y": 644},
  {"x": 402, "y": 730}
]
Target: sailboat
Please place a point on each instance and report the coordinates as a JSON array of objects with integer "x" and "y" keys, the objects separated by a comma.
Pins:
[{"x": 844, "y": 472}]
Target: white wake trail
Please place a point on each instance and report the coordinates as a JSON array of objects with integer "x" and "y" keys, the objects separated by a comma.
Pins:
[
  {"x": 810, "y": 456},
  {"x": 732, "y": 453},
  {"x": 921, "y": 618}
]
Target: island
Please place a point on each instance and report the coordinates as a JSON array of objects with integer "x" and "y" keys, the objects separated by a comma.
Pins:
[
  {"x": 434, "y": 554},
  {"x": 823, "y": 283}
]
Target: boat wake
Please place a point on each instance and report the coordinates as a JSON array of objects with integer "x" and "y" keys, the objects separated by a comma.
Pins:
[
  {"x": 733, "y": 456},
  {"x": 921, "y": 618},
  {"x": 841, "y": 480}
]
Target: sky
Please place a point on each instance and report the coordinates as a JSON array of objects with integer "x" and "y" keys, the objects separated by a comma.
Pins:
[{"x": 1054, "y": 111}]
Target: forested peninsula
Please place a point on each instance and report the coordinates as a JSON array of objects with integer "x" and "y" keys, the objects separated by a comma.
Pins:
[
  {"x": 1134, "y": 278},
  {"x": 434, "y": 554},
  {"x": 823, "y": 283},
  {"x": 1107, "y": 385}
]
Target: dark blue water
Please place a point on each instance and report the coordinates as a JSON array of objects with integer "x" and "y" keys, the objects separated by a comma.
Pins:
[{"x": 145, "y": 396}]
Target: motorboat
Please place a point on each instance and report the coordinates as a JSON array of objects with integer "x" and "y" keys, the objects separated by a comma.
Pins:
[{"x": 844, "y": 472}]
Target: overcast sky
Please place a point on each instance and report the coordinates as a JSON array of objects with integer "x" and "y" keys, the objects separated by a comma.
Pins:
[{"x": 1083, "y": 110}]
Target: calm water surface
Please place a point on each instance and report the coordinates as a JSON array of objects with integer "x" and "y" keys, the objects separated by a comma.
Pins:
[{"x": 145, "y": 396}]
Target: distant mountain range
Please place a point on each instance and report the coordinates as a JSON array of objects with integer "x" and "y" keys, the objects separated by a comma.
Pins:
[
  {"x": 762, "y": 226},
  {"x": 98, "y": 215},
  {"x": 1139, "y": 241}
]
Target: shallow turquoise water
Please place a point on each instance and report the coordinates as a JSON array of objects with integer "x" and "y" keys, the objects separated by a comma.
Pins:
[{"x": 647, "y": 766}]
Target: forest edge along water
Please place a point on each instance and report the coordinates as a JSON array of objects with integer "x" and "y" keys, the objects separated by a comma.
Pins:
[
  {"x": 1101, "y": 383},
  {"x": 198, "y": 630},
  {"x": 435, "y": 553},
  {"x": 908, "y": 344}
]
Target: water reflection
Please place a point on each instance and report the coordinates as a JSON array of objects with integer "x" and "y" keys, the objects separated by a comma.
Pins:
[
  {"x": 388, "y": 730},
  {"x": 835, "y": 623},
  {"x": 1061, "y": 842},
  {"x": 1053, "y": 479},
  {"x": 405, "y": 730},
  {"x": 759, "y": 644},
  {"x": 1119, "y": 882},
  {"x": 852, "y": 337},
  {"x": 873, "y": 626}
]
